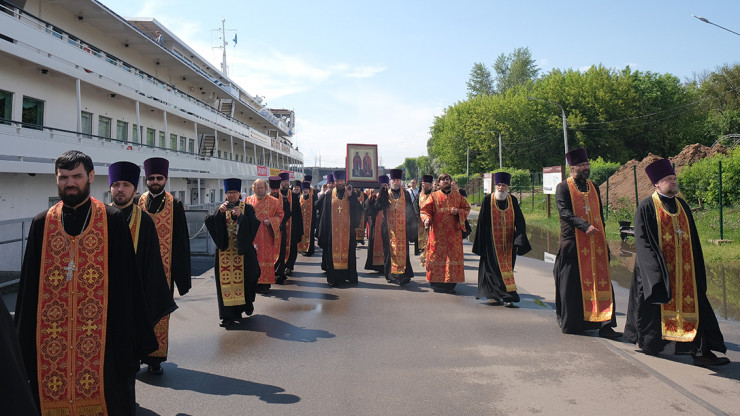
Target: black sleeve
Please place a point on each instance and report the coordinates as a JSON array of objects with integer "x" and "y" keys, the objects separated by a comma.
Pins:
[
  {"x": 216, "y": 226},
  {"x": 565, "y": 208},
  {"x": 484, "y": 226},
  {"x": 180, "y": 268},
  {"x": 521, "y": 242}
]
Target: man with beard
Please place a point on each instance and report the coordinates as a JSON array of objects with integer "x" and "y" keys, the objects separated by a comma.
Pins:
[
  {"x": 296, "y": 188},
  {"x": 123, "y": 178},
  {"x": 269, "y": 212},
  {"x": 584, "y": 297},
  {"x": 308, "y": 211},
  {"x": 168, "y": 214},
  {"x": 294, "y": 226},
  {"x": 284, "y": 240},
  {"x": 423, "y": 233},
  {"x": 444, "y": 214},
  {"x": 81, "y": 314},
  {"x": 501, "y": 236},
  {"x": 340, "y": 216},
  {"x": 398, "y": 227},
  {"x": 375, "y": 254},
  {"x": 668, "y": 298},
  {"x": 233, "y": 228}
]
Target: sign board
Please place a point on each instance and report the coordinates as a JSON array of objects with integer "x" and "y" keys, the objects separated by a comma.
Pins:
[
  {"x": 549, "y": 257},
  {"x": 488, "y": 183},
  {"x": 551, "y": 177},
  {"x": 263, "y": 171}
]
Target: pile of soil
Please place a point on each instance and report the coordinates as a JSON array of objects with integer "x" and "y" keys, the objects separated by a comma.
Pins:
[{"x": 622, "y": 182}]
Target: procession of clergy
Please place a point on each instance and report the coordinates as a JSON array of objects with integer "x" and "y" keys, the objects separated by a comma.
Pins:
[{"x": 97, "y": 280}]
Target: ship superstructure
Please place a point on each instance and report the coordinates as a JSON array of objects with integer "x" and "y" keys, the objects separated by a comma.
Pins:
[{"x": 75, "y": 75}]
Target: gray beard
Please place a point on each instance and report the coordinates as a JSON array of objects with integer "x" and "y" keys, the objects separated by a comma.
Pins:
[{"x": 500, "y": 196}]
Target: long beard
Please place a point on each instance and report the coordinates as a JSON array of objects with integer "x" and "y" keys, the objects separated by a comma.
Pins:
[
  {"x": 155, "y": 188},
  {"x": 500, "y": 195},
  {"x": 75, "y": 199},
  {"x": 395, "y": 187}
]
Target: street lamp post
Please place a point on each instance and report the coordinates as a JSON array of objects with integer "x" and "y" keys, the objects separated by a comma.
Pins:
[
  {"x": 707, "y": 21},
  {"x": 565, "y": 125},
  {"x": 500, "y": 159}
]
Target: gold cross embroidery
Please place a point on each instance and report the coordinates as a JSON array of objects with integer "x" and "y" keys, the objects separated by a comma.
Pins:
[
  {"x": 90, "y": 275},
  {"x": 56, "y": 277},
  {"x": 86, "y": 381},
  {"x": 54, "y": 330},
  {"x": 89, "y": 326},
  {"x": 54, "y": 383}
]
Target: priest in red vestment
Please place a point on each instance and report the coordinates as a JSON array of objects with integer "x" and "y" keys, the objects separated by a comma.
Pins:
[
  {"x": 444, "y": 214},
  {"x": 269, "y": 212}
]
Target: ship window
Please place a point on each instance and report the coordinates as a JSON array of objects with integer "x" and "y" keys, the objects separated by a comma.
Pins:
[
  {"x": 191, "y": 145},
  {"x": 33, "y": 113},
  {"x": 150, "y": 135},
  {"x": 135, "y": 134},
  {"x": 104, "y": 127},
  {"x": 161, "y": 140},
  {"x": 6, "y": 106},
  {"x": 173, "y": 141},
  {"x": 219, "y": 154},
  {"x": 122, "y": 131},
  {"x": 182, "y": 144},
  {"x": 86, "y": 126}
]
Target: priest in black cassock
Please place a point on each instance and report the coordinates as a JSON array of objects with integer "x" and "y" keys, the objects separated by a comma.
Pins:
[
  {"x": 374, "y": 217},
  {"x": 294, "y": 227},
  {"x": 398, "y": 227},
  {"x": 319, "y": 207},
  {"x": 584, "y": 297},
  {"x": 500, "y": 237},
  {"x": 340, "y": 215},
  {"x": 168, "y": 214},
  {"x": 233, "y": 228},
  {"x": 668, "y": 298},
  {"x": 15, "y": 392},
  {"x": 123, "y": 178},
  {"x": 307, "y": 245},
  {"x": 80, "y": 288}
]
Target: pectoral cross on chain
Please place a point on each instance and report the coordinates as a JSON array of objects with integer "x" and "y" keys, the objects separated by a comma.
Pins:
[
  {"x": 588, "y": 208},
  {"x": 70, "y": 268},
  {"x": 679, "y": 231}
]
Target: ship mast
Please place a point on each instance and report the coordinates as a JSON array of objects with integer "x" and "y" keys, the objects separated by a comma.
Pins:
[{"x": 223, "y": 46}]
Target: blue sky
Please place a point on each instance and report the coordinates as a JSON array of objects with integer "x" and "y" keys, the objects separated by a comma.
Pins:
[{"x": 378, "y": 72}]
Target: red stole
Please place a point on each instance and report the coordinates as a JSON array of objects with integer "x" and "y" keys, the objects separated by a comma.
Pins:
[
  {"x": 164, "y": 223},
  {"x": 360, "y": 231},
  {"x": 267, "y": 240},
  {"x": 307, "y": 214},
  {"x": 340, "y": 230},
  {"x": 502, "y": 234},
  {"x": 593, "y": 255},
  {"x": 72, "y": 316},
  {"x": 231, "y": 266},
  {"x": 680, "y": 316},
  {"x": 396, "y": 219},
  {"x": 378, "y": 256}
]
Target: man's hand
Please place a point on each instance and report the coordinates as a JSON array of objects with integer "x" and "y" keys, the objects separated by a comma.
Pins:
[
  {"x": 592, "y": 230},
  {"x": 223, "y": 208},
  {"x": 266, "y": 222},
  {"x": 426, "y": 223},
  {"x": 237, "y": 211},
  {"x": 454, "y": 211}
]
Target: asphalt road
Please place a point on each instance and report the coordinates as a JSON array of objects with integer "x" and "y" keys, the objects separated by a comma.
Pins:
[{"x": 377, "y": 349}]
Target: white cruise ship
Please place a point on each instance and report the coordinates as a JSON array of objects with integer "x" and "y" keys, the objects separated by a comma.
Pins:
[{"x": 75, "y": 75}]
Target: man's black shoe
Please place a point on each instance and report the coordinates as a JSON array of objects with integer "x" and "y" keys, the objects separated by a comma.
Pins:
[
  {"x": 155, "y": 369},
  {"x": 609, "y": 333},
  {"x": 708, "y": 359}
]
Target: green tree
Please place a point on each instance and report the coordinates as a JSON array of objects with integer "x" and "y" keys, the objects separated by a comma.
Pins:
[
  {"x": 480, "y": 82},
  {"x": 516, "y": 68}
]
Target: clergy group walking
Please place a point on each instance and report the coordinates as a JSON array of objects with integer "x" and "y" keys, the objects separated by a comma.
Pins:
[{"x": 97, "y": 281}]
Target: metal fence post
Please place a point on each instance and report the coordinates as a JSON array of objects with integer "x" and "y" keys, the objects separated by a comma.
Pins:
[
  {"x": 721, "y": 229},
  {"x": 634, "y": 173},
  {"x": 607, "y": 197}
]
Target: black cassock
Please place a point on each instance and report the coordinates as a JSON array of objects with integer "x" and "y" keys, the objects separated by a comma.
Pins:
[
  {"x": 15, "y": 392},
  {"x": 335, "y": 277},
  {"x": 129, "y": 333},
  {"x": 247, "y": 227},
  {"x": 180, "y": 264},
  {"x": 490, "y": 282},
  {"x": 149, "y": 259},
  {"x": 568, "y": 295},
  {"x": 296, "y": 229},
  {"x": 651, "y": 286},
  {"x": 381, "y": 203},
  {"x": 280, "y": 262}
]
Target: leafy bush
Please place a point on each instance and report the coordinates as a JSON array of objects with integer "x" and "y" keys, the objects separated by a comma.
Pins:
[
  {"x": 461, "y": 179},
  {"x": 601, "y": 170},
  {"x": 701, "y": 180}
]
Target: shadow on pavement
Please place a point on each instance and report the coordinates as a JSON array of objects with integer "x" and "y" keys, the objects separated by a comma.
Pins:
[
  {"x": 275, "y": 328},
  {"x": 178, "y": 378},
  {"x": 283, "y": 294}
]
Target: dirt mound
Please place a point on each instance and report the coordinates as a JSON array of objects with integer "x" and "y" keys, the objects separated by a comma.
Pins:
[{"x": 622, "y": 182}]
